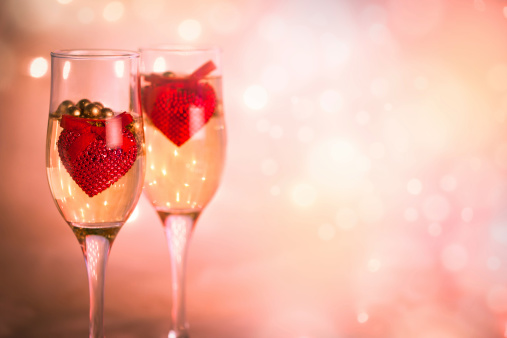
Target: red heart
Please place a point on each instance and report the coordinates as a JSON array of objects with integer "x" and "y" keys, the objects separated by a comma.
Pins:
[
  {"x": 179, "y": 108},
  {"x": 93, "y": 155}
]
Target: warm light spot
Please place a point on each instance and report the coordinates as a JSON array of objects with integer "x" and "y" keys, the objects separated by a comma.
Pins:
[
  {"x": 346, "y": 218},
  {"x": 420, "y": 83},
  {"x": 269, "y": 167},
  {"x": 377, "y": 150},
  {"x": 454, "y": 257},
  {"x": 175, "y": 152},
  {"x": 263, "y": 125},
  {"x": 302, "y": 108},
  {"x": 275, "y": 78},
  {"x": 164, "y": 172},
  {"x": 326, "y": 232},
  {"x": 276, "y": 132},
  {"x": 119, "y": 68},
  {"x": 467, "y": 214},
  {"x": 66, "y": 70},
  {"x": 275, "y": 190},
  {"x": 272, "y": 28},
  {"x": 371, "y": 209},
  {"x": 362, "y": 317},
  {"x": 38, "y": 67},
  {"x": 159, "y": 64},
  {"x": 379, "y": 87},
  {"x": 379, "y": 33},
  {"x": 411, "y": 214},
  {"x": 255, "y": 97},
  {"x": 113, "y": 11},
  {"x": 505, "y": 11},
  {"x": 494, "y": 263},
  {"x": 64, "y": 2},
  {"x": 374, "y": 265},
  {"x": 448, "y": 183},
  {"x": 105, "y": 202},
  {"x": 362, "y": 117},
  {"x": 304, "y": 195},
  {"x": 134, "y": 215},
  {"x": 414, "y": 186},
  {"x": 189, "y": 29},
  {"x": 436, "y": 208},
  {"x": 203, "y": 178},
  {"x": 331, "y": 101},
  {"x": 305, "y": 134},
  {"x": 497, "y": 298},
  {"x": 225, "y": 17},
  {"x": 434, "y": 229}
]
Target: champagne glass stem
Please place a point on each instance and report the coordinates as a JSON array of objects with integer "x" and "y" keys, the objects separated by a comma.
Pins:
[
  {"x": 96, "y": 252},
  {"x": 178, "y": 229}
]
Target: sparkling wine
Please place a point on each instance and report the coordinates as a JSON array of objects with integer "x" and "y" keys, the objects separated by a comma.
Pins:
[
  {"x": 109, "y": 208},
  {"x": 184, "y": 178}
]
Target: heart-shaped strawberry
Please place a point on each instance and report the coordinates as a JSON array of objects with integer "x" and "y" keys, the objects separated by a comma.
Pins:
[
  {"x": 97, "y": 153},
  {"x": 180, "y": 107}
]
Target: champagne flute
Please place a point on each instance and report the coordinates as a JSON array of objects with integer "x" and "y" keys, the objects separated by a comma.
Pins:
[
  {"x": 95, "y": 157},
  {"x": 185, "y": 142}
]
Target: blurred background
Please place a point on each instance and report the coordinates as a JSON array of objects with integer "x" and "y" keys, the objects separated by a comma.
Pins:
[{"x": 365, "y": 191}]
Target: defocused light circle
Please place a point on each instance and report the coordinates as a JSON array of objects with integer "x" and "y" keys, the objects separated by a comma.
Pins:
[
  {"x": 371, "y": 209},
  {"x": 494, "y": 263},
  {"x": 276, "y": 132},
  {"x": 374, "y": 265},
  {"x": 411, "y": 214},
  {"x": 269, "y": 167},
  {"x": 255, "y": 97},
  {"x": 362, "y": 117},
  {"x": 225, "y": 17},
  {"x": 434, "y": 229},
  {"x": 38, "y": 67},
  {"x": 379, "y": 87},
  {"x": 275, "y": 190},
  {"x": 346, "y": 218},
  {"x": 497, "y": 77},
  {"x": 467, "y": 214},
  {"x": 436, "y": 208},
  {"x": 304, "y": 195},
  {"x": 305, "y": 134},
  {"x": 448, "y": 183},
  {"x": 377, "y": 150},
  {"x": 497, "y": 298},
  {"x": 505, "y": 11},
  {"x": 362, "y": 317},
  {"x": 189, "y": 29},
  {"x": 263, "y": 125},
  {"x": 275, "y": 78},
  {"x": 331, "y": 101},
  {"x": 85, "y": 15},
  {"x": 326, "y": 232},
  {"x": 454, "y": 257},
  {"x": 113, "y": 11},
  {"x": 272, "y": 28},
  {"x": 64, "y": 2},
  {"x": 302, "y": 108},
  {"x": 414, "y": 186}
]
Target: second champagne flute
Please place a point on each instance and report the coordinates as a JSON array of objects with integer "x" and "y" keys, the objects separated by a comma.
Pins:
[{"x": 185, "y": 142}]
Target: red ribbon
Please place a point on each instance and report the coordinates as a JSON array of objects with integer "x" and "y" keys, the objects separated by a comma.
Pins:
[{"x": 89, "y": 133}]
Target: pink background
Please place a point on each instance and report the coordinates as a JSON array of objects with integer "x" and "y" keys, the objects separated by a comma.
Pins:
[{"x": 365, "y": 189}]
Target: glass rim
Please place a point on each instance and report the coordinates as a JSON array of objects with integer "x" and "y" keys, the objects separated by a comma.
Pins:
[
  {"x": 95, "y": 54},
  {"x": 179, "y": 48}
]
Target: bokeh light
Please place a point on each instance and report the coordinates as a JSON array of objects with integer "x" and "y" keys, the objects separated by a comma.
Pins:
[
  {"x": 189, "y": 29},
  {"x": 113, "y": 11},
  {"x": 38, "y": 67}
]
